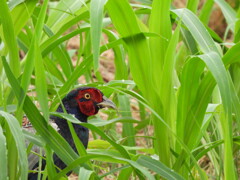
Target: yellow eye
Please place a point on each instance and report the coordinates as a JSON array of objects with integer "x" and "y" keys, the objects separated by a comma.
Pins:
[{"x": 87, "y": 96}]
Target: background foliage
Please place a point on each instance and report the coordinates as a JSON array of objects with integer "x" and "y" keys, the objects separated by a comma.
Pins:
[{"x": 176, "y": 84}]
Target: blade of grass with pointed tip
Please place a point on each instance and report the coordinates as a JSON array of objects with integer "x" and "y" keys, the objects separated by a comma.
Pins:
[
  {"x": 9, "y": 37},
  {"x": 19, "y": 141},
  {"x": 40, "y": 77},
  {"x": 96, "y": 19}
]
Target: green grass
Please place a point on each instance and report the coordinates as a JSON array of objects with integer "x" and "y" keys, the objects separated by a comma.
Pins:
[{"x": 183, "y": 77}]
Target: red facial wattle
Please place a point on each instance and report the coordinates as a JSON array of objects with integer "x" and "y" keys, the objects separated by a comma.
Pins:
[{"x": 88, "y": 106}]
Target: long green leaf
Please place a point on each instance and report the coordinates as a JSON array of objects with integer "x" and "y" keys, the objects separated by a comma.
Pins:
[
  {"x": 125, "y": 111},
  {"x": 9, "y": 37},
  {"x": 85, "y": 174},
  {"x": 63, "y": 10},
  {"x": 197, "y": 30},
  {"x": 121, "y": 13},
  {"x": 105, "y": 157},
  {"x": 96, "y": 19},
  {"x": 21, "y": 14},
  {"x": 218, "y": 71},
  {"x": 49, "y": 135},
  {"x": 216, "y": 67},
  {"x": 40, "y": 77},
  {"x": 119, "y": 57},
  {"x": 98, "y": 131},
  {"x": 19, "y": 141},
  {"x": 167, "y": 92},
  {"x": 159, "y": 23},
  {"x": 158, "y": 167}
]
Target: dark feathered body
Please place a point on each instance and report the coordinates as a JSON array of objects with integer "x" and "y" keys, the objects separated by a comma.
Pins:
[
  {"x": 63, "y": 128},
  {"x": 81, "y": 103},
  {"x": 82, "y": 132}
]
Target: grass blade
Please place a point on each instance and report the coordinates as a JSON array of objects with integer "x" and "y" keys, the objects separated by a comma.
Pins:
[
  {"x": 9, "y": 37},
  {"x": 197, "y": 30},
  {"x": 216, "y": 67},
  {"x": 119, "y": 54},
  {"x": 96, "y": 19},
  {"x": 40, "y": 77},
  {"x": 49, "y": 135},
  {"x": 98, "y": 131},
  {"x": 159, "y": 168},
  {"x": 21, "y": 14},
  {"x": 19, "y": 141},
  {"x": 63, "y": 10},
  {"x": 158, "y": 45},
  {"x": 218, "y": 71},
  {"x": 85, "y": 174},
  {"x": 108, "y": 158},
  {"x": 128, "y": 129}
]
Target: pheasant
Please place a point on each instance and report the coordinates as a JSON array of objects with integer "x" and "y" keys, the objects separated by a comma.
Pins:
[{"x": 82, "y": 103}]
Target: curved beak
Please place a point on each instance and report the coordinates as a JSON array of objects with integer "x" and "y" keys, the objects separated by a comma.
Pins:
[{"x": 106, "y": 103}]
